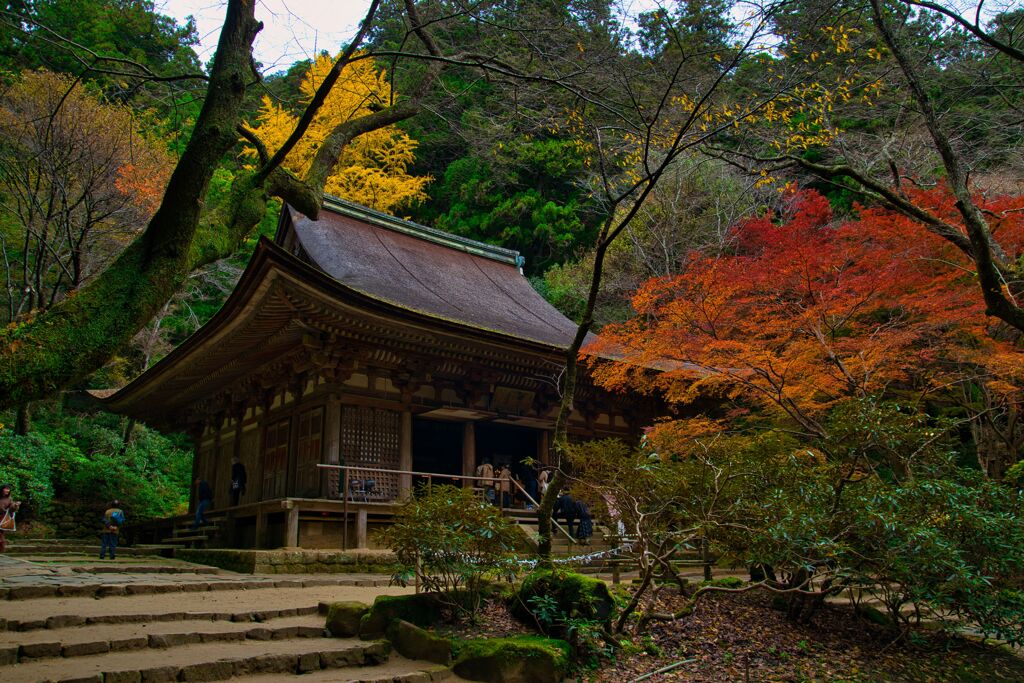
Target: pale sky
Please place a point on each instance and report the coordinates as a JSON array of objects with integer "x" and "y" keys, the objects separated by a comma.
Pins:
[{"x": 292, "y": 29}]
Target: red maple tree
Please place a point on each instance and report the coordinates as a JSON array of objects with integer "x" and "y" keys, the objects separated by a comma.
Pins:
[{"x": 806, "y": 311}]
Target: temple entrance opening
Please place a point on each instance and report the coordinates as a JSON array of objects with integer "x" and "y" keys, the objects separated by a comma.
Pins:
[{"x": 436, "y": 448}]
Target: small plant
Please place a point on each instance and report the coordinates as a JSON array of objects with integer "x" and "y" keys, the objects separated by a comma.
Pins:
[
  {"x": 545, "y": 609},
  {"x": 452, "y": 542}
]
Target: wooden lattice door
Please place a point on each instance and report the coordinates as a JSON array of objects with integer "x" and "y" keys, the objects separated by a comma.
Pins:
[
  {"x": 370, "y": 438},
  {"x": 310, "y": 453},
  {"x": 275, "y": 460}
]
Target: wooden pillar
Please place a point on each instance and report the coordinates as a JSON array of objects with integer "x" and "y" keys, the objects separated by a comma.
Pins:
[
  {"x": 293, "y": 438},
  {"x": 361, "y": 528},
  {"x": 291, "y": 537},
  {"x": 405, "y": 454},
  {"x": 332, "y": 445},
  {"x": 544, "y": 446},
  {"x": 261, "y": 527},
  {"x": 468, "y": 451}
]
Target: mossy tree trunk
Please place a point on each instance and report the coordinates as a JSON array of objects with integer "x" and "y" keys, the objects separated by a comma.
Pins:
[
  {"x": 71, "y": 340},
  {"x": 67, "y": 343}
]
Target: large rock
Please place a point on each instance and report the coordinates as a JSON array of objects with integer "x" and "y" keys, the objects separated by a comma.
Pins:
[
  {"x": 421, "y": 609},
  {"x": 521, "y": 659},
  {"x": 343, "y": 618},
  {"x": 416, "y": 643},
  {"x": 577, "y": 597}
]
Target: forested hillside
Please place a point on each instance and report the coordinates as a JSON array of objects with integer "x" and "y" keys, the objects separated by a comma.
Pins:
[{"x": 807, "y": 215}]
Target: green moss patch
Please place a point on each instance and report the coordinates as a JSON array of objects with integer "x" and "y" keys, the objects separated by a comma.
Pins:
[
  {"x": 577, "y": 596},
  {"x": 343, "y": 618},
  {"x": 416, "y": 643},
  {"x": 519, "y": 659},
  {"x": 422, "y": 609}
]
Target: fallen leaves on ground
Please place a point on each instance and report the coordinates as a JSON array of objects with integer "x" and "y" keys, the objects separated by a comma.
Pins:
[{"x": 740, "y": 637}]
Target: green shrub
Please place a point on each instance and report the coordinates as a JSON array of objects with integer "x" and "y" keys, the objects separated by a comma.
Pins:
[{"x": 453, "y": 541}]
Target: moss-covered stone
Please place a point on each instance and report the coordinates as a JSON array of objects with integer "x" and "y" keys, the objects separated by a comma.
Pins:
[
  {"x": 731, "y": 582},
  {"x": 520, "y": 659},
  {"x": 421, "y": 609},
  {"x": 578, "y": 596},
  {"x": 875, "y": 616},
  {"x": 416, "y": 643},
  {"x": 343, "y": 618}
]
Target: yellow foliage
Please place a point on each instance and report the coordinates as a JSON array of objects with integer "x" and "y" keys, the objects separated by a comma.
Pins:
[{"x": 373, "y": 169}]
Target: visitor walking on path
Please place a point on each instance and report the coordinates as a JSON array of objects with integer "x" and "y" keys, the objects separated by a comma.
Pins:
[
  {"x": 113, "y": 520},
  {"x": 8, "y": 507},
  {"x": 204, "y": 498},
  {"x": 238, "y": 481}
]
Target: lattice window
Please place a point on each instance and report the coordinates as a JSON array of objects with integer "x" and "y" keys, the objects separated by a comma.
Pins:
[{"x": 370, "y": 438}]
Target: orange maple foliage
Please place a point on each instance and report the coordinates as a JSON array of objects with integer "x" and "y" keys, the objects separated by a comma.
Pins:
[{"x": 807, "y": 312}]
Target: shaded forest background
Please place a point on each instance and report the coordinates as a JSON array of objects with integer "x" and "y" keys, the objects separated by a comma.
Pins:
[{"x": 85, "y": 153}]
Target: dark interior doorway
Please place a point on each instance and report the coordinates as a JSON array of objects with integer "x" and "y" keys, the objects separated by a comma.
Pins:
[
  {"x": 505, "y": 444},
  {"x": 436, "y": 447}
]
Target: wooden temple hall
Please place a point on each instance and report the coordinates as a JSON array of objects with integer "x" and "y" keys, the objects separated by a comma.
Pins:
[{"x": 393, "y": 349}]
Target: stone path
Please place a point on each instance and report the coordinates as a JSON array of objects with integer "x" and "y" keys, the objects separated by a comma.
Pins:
[{"x": 72, "y": 619}]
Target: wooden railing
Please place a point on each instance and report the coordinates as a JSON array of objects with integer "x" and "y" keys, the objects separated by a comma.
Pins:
[{"x": 352, "y": 485}]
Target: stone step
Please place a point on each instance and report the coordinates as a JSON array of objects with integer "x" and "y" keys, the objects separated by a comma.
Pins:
[
  {"x": 397, "y": 669},
  {"x": 291, "y": 598},
  {"x": 89, "y": 640},
  {"x": 58, "y": 550},
  {"x": 144, "y": 569},
  {"x": 131, "y": 586},
  {"x": 62, "y": 621},
  {"x": 213, "y": 661}
]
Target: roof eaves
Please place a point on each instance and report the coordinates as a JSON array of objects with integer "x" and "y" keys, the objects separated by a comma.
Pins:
[{"x": 362, "y": 213}]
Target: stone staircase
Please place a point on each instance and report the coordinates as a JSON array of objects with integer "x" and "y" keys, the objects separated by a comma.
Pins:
[
  {"x": 184, "y": 633},
  {"x": 66, "y": 547},
  {"x": 184, "y": 536}
]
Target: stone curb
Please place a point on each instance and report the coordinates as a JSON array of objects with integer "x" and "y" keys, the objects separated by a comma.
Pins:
[
  {"x": 80, "y": 590},
  {"x": 369, "y": 654},
  {"x": 33, "y": 652},
  {"x": 65, "y": 620}
]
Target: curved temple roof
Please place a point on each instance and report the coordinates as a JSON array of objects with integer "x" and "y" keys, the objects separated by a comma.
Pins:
[
  {"x": 366, "y": 266},
  {"x": 428, "y": 271}
]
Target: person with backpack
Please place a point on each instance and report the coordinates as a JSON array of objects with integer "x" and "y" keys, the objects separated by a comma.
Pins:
[
  {"x": 113, "y": 520},
  {"x": 8, "y": 508}
]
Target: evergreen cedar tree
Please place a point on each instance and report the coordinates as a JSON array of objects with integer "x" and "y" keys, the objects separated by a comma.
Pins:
[{"x": 806, "y": 312}]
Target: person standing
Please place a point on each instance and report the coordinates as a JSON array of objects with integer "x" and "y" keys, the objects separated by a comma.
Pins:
[
  {"x": 542, "y": 481},
  {"x": 585, "y": 528},
  {"x": 113, "y": 520},
  {"x": 565, "y": 508},
  {"x": 486, "y": 473},
  {"x": 204, "y": 498},
  {"x": 8, "y": 506},
  {"x": 238, "y": 481},
  {"x": 505, "y": 485}
]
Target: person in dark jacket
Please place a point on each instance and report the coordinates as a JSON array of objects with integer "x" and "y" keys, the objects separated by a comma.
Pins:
[
  {"x": 204, "y": 499},
  {"x": 585, "y": 529},
  {"x": 238, "y": 481},
  {"x": 565, "y": 508}
]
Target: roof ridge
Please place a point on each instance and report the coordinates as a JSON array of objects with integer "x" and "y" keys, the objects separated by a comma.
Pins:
[{"x": 424, "y": 232}]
